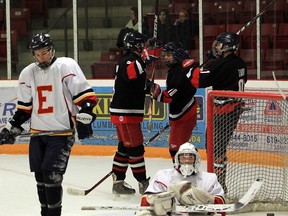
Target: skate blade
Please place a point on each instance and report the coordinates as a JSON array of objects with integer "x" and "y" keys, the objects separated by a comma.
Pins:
[{"x": 123, "y": 196}]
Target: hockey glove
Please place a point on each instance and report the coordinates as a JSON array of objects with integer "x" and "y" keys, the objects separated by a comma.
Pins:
[
  {"x": 9, "y": 133},
  {"x": 155, "y": 91},
  {"x": 84, "y": 120},
  {"x": 188, "y": 194},
  {"x": 163, "y": 203}
]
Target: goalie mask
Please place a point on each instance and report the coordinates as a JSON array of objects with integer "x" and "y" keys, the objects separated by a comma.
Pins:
[
  {"x": 187, "y": 160},
  {"x": 225, "y": 42},
  {"x": 42, "y": 49}
]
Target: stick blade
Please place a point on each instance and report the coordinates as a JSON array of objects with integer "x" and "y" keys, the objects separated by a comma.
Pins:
[{"x": 75, "y": 191}]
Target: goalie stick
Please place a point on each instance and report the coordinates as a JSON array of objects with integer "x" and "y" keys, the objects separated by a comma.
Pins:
[
  {"x": 199, "y": 208},
  {"x": 79, "y": 192}
]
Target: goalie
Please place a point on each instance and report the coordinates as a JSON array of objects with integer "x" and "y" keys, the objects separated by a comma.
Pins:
[{"x": 184, "y": 185}]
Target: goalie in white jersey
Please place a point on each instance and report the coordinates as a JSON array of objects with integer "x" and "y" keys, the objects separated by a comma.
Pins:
[
  {"x": 185, "y": 182},
  {"x": 50, "y": 92}
]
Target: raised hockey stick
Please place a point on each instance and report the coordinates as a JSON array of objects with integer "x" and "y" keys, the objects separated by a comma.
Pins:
[
  {"x": 248, "y": 24},
  {"x": 199, "y": 208},
  {"x": 47, "y": 133},
  {"x": 79, "y": 192},
  {"x": 155, "y": 136},
  {"x": 153, "y": 68}
]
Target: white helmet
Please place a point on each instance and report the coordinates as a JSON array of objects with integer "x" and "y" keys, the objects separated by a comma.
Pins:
[{"x": 187, "y": 169}]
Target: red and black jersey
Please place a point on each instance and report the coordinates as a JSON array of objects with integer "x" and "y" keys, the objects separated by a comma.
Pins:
[
  {"x": 179, "y": 92},
  {"x": 225, "y": 74},
  {"x": 127, "y": 104},
  {"x": 229, "y": 73}
]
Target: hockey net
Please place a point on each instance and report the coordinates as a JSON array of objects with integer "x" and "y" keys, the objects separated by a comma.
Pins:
[{"x": 256, "y": 149}]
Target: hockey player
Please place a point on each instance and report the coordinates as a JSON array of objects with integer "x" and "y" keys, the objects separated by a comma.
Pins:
[
  {"x": 224, "y": 71},
  {"x": 127, "y": 113},
  {"x": 179, "y": 94},
  {"x": 49, "y": 92},
  {"x": 185, "y": 182}
]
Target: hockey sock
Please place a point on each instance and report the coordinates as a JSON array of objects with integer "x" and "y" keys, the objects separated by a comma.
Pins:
[
  {"x": 120, "y": 165},
  {"x": 53, "y": 186},
  {"x": 41, "y": 193},
  {"x": 137, "y": 162}
]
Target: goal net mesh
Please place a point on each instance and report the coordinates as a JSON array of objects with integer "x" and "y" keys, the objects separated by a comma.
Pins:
[{"x": 247, "y": 139}]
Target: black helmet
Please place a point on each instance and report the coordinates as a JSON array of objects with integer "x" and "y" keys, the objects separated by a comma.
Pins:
[
  {"x": 134, "y": 41},
  {"x": 179, "y": 54},
  {"x": 229, "y": 41},
  {"x": 40, "y": 41}
]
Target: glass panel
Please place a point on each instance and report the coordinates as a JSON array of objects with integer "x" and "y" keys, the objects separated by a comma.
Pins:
[{"x": 99, "y": 23}]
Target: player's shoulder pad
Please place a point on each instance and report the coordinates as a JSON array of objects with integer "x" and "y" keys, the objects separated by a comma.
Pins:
[{"x": 187, "y": 63}]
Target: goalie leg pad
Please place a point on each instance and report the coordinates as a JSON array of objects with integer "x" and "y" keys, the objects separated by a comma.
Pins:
[{"x": 188, "y": 194}]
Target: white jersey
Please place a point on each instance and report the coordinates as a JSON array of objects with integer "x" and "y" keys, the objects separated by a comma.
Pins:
[
  {"x": 52, "y": 94},
  {"x": 166, "y": 177}
]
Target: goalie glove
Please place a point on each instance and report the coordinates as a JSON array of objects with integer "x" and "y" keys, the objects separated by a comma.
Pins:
[
  {"x": 84, "y": 120},
  {"x": 9, "y": 133},
  {"x": 188, "y": 194},
  {"x": 163, "y": 203}
]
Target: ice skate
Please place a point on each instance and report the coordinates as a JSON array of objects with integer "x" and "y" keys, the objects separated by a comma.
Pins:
[
  {"x": 120, "y": 187},
  {"x": 143, "y": 185}
]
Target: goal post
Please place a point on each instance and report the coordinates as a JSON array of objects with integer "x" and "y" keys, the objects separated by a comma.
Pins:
[{"x": 247, "y": 139}]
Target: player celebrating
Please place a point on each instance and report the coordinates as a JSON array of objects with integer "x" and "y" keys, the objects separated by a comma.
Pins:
[
  {"x": 182, "y": 182},
  {"x": 179, "y": 94},
  {"x": 127, "y": 113},
  {"x": 225, "y": 71},
  {"x": 49, "y": 92}
]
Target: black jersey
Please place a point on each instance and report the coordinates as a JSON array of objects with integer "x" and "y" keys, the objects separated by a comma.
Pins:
[
  {"x": 229, "y": 73},
  {"x": 129, "y": 88},
  {"x": 183, "y": 99}
]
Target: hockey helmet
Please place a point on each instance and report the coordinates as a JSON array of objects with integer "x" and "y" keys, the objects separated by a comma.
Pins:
[
  {"x": 40, "y": 41},
  {"x": 134, "y": 41},
  {"x": 187, "y": 150},
  {"x": 227, "y": 41},
  {"x": 178, "y": 52}
]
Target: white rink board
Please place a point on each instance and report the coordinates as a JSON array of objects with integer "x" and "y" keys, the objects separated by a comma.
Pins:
[{"x": 18, "y": 187}]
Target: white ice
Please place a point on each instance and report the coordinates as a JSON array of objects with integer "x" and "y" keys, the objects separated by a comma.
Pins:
[{"x": 18, "y": 196}]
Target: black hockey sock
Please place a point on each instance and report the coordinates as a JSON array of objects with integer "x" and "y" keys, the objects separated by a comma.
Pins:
[
  {"x": 120, "y": 165},
  {"x": 41, "y": 193},
  {"x": 53, "y": 187}
]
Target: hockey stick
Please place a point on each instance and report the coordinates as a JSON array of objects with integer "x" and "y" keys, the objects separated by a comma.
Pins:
[
  {"x": 153, "y": 67},
  {"x": 279, "y": 89},
  {"x": 155, "y": 136},
  {"x": 47, "y": 133},
  {"x": 79, "y": 192},
  {"x": 248, "y": 24},
  {"x": 199, "y": 208}
]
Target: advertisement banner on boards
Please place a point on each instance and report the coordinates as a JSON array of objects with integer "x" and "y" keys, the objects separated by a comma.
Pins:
[{"x": 104, "y": 131}]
